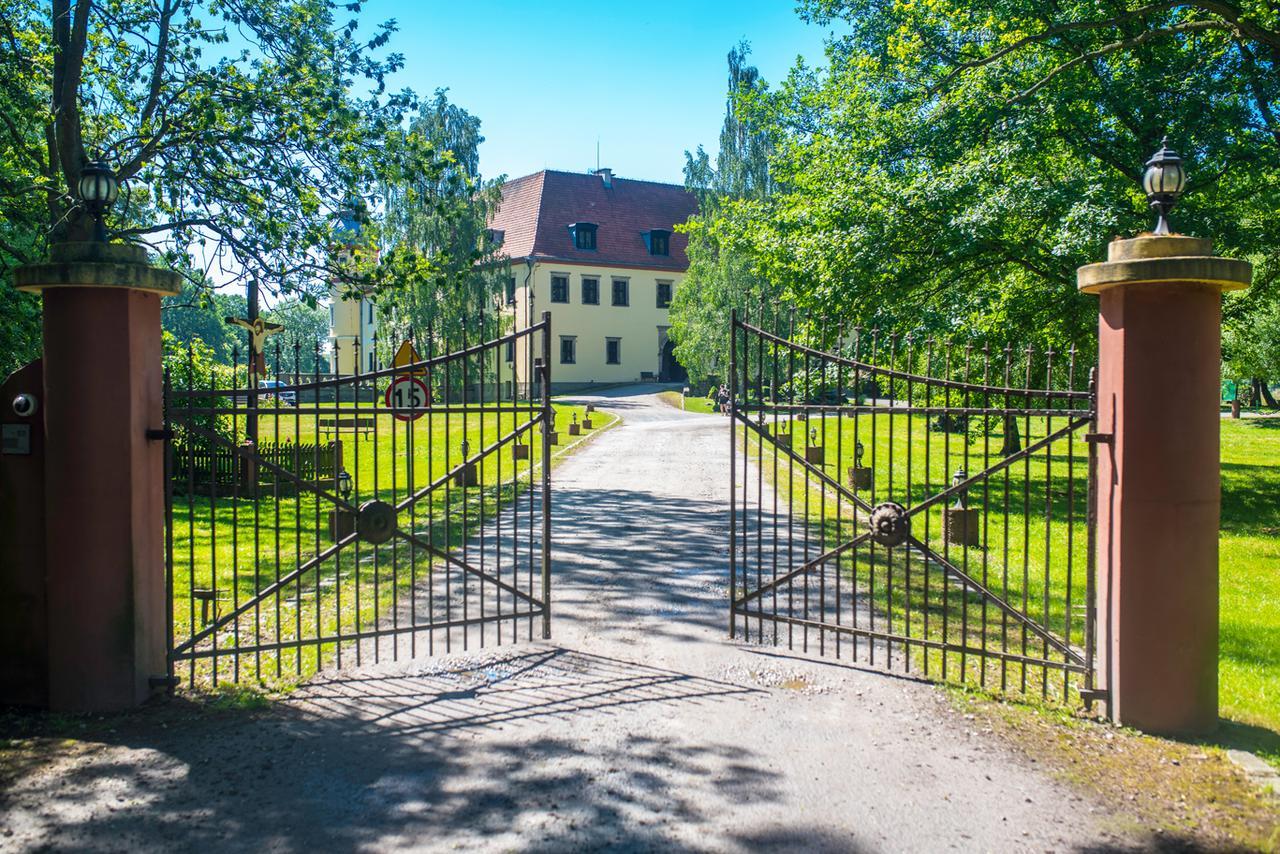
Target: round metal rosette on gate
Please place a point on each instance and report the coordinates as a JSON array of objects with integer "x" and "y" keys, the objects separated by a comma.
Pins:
[
  {"x": 376, "y": 522},
  {"x": 889, "y": 524}
]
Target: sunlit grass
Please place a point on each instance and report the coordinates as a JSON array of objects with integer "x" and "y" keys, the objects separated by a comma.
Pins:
[
  {"x": 1032, "y": 552},
  {"x": 231, "y": 546}
]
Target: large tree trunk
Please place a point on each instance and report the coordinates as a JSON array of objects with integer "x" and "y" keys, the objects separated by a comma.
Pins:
[
  {"x": 1012, "y": 439},
  {"x": 1262, "y": 394}
]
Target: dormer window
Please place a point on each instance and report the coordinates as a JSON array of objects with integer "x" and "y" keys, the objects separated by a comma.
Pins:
[
  {"x": 658, "y": 241},
  {"x": 494, "y": 236},
  {"x": 584, "y": 236}
]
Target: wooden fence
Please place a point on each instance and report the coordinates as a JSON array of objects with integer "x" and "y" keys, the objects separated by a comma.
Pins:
[{"x": 203, "y": 466}]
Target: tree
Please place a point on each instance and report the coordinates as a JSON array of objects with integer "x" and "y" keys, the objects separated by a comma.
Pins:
[
  {"x": 721, "y": 277},
  {"x": 450, "y": 274},
  {"x": 306, "y": 331},
  {"x": 233, "y": 155},
  {"x": 199, "y": 314},
  {"x": 1251, "y": 351},
  {"x": 956, "y": 163}
]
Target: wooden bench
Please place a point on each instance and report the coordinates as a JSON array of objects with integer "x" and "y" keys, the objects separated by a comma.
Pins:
[{"x": 332, "y": 424}]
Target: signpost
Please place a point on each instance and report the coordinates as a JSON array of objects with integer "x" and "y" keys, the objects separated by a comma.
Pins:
[
  {"x": 405, "y": 357},
  {"x": 408, "y": 396}
]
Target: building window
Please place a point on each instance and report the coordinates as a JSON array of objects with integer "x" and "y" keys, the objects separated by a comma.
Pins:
[
  {"x": 568, "y": 350},
  {"x": 658, "y": 242},
  {"x": 613, "y": 351},
  {"x": 511, "y": 291},
  {"x": 620, "y": 292},
  {"x": 664, "y": 294},
  {"x": 371, "y": 361},
  {"x": 584, "y": 236},
  {"x": 590, "y": 291},
  {"x": 371, "y": 312},
  {"x": 559, "y": 288},
  {"x": 511, "y": 350},
  {"x": 494, "y": 237},
  {"x": 331, "y": 321}
]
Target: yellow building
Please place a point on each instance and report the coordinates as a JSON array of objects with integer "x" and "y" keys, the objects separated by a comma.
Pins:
[
  {"x": 600, "y": 253},
  {"x": 352, "y": 322}
]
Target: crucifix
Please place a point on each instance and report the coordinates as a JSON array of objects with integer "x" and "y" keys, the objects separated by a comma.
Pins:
[{"x": 258, "y": 330}]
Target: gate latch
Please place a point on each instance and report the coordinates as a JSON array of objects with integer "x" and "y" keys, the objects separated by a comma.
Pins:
[
  {"x": 159, "y": 434},
  {"x": 1100, "y": 438}
]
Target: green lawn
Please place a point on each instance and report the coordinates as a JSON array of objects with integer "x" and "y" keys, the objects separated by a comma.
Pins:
[
  {"x": 1032, "y": 522},
  {"x": 1249, "y": 561},
  {"x": 234, "y": 545},
  {"x": 692, "y": 403},
  {"x": 1249, "y": 557}
]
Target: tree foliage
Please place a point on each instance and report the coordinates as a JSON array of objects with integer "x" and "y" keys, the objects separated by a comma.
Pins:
[
  {"x": 237, "y": 128},
  {"x": 721, "y": 277},
  {"x": 955, "y": 163},
  {"x": 449, "y": 276}
]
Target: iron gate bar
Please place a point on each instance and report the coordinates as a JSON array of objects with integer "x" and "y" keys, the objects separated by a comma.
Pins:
[
  {"x": 819, "y": 473},
  {"x": 416, "y": 540},
  {"x": 314, "y": 490},
  {"x": 443, "y": 480},
  {"x": 907, "y": 640},
  {"x": 808, "y": 566},
  {"x": 889, "y": 586},
  {"x": 364, "y": 634},
  {"x": 381, "y": 373},
  {"x": 1005, "y": 463},
  {"x": 1028, "y": 391},
  {"x": 1027, "y": 622},
  {"x": 343, "y": 505}
]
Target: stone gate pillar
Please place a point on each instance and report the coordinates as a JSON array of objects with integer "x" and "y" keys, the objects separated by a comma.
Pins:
[
  {"x": 104, "y": 490},
  {"x": 1158, "y": 501}
]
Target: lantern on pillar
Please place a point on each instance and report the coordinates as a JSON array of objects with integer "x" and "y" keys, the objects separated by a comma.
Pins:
[
  {"x": 1163, "y": 182},
  {"x": 99, "y": 188}
]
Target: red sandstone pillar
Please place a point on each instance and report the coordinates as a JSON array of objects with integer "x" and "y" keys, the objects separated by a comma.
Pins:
[
  {"x": 104, "y": 478},
  {"x": 1158, "y": 500}
]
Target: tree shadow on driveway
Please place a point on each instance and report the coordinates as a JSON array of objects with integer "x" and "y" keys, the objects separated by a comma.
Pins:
[{"x": 394, "y": 759}]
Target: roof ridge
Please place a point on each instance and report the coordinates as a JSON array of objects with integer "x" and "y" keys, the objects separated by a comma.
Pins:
[{"x": 592, "y": 175}]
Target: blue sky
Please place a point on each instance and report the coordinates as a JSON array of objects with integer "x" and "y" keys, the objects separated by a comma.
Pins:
[{"x": 548, "y": 79}]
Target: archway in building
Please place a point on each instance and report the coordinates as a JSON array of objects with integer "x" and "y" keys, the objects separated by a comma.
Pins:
[{"x": 672, "y": 370}]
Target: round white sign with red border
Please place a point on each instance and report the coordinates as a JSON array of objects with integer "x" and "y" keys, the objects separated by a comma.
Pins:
[{"x": 409, "y": 397}]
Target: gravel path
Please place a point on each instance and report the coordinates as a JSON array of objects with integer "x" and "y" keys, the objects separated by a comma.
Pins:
[{"x": 639, "y": 727}]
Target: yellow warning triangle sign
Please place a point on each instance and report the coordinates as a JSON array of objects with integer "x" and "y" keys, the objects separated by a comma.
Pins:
[{"x": 407, "y": 356}]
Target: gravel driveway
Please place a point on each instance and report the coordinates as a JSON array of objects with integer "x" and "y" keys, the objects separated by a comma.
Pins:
[{"x": 639, "y": 727}]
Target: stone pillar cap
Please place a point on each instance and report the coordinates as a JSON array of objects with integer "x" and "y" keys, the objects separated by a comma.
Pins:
[
  {"x": 97, "y": 265},
  {"x": 1164, "y": 258}
]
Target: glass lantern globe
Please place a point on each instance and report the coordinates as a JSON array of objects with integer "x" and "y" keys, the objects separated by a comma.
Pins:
[{"x": 1163, "y": 182}]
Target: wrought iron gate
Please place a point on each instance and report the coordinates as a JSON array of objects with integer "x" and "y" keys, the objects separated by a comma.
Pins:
[
  {"x": 914, "y": 505},
  {"x": 331, "y": 520}
]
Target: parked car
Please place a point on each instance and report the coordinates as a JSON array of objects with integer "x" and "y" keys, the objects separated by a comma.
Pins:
[{"x": 288, "y": 398}]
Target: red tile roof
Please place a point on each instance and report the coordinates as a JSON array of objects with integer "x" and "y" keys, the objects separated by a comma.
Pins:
[{"x": 536, "y": 212}]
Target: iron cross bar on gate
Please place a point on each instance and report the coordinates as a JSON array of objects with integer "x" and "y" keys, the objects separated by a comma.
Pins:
[
  {"x": 929, "y": 554},
  {"x": 340, "y": 504}
]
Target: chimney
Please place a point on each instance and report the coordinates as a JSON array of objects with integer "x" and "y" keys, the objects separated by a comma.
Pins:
[{"x": 606, "y": 175}]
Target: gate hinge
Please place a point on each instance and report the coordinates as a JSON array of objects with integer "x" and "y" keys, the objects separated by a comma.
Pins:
[
  {"x": 159, "y": 434},
  {"x": 166, "y": 682},
  {"x": 1095, "y": 695},
  {"x": 1100, "y": 438}
]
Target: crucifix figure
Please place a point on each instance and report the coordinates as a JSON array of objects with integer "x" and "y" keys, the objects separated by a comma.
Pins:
[{"x": 259, "y": 329}]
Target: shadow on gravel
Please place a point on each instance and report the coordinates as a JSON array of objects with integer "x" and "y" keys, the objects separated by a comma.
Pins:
[
  {"x": 642, "y": 557},
  {"x": 388, "y": 760}
]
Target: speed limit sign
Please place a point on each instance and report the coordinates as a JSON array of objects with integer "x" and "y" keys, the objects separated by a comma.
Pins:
[{"x": 409, "y": 397}]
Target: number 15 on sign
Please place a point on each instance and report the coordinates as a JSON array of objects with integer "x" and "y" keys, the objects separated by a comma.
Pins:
[{"x": 408, "y": 397}]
